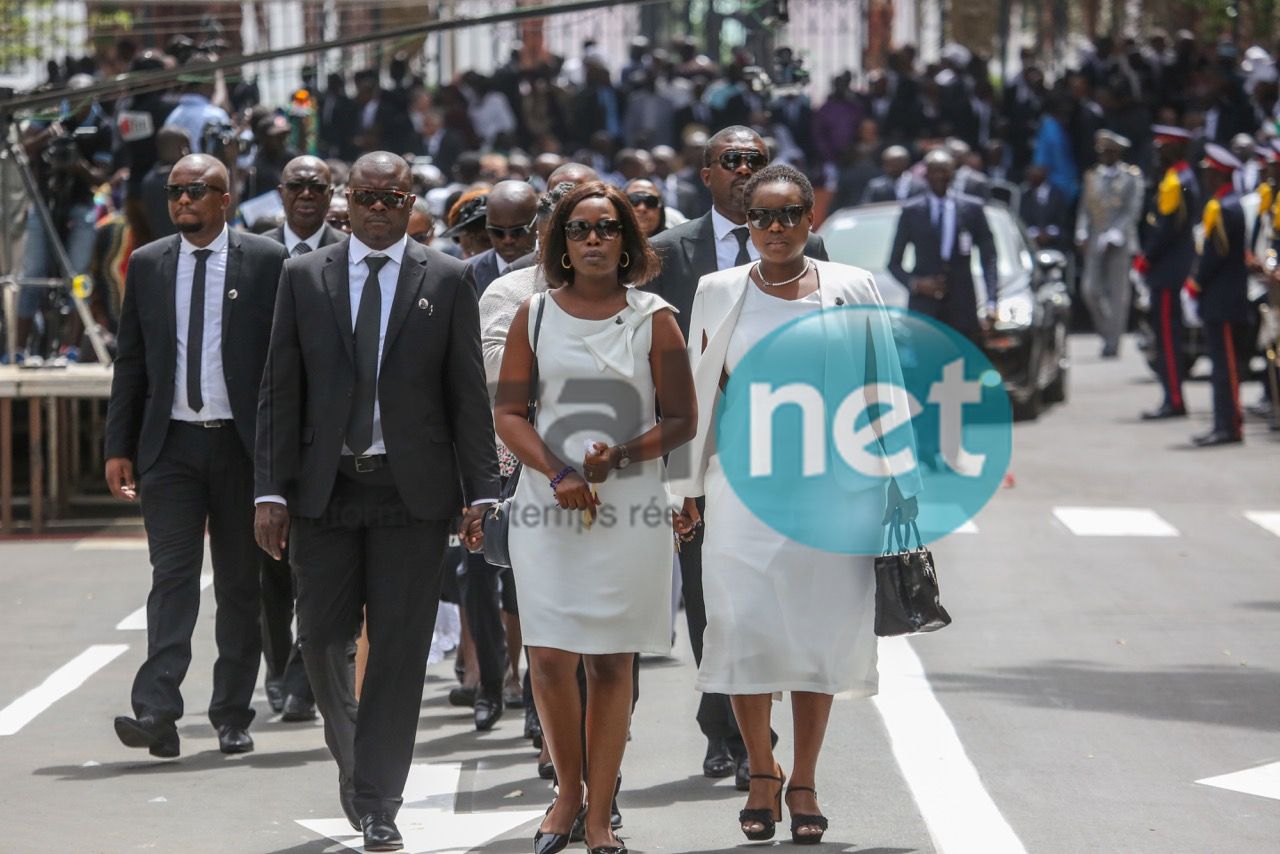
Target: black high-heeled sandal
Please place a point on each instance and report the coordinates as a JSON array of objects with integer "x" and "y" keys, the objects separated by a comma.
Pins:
[
  {"x": 767, "y": 818},
  {"x": 799, "y": 820},
  {"x": 549, "y": 842}
]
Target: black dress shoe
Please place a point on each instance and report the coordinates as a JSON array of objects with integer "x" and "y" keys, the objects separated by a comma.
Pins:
[
  {"x": 463, "y": 697},
  {"x": 1217, "y": 437},
  {"x": 742, "y": 780},
  {"x": 160, "y": 737},
  {"x": 275, "y": 695},
  {"x": 380, "y": 833},
  {"x": 549, "y": 842},
  {"x": 1165, "y": 412},
  {"x": 298, "y": 709},
  {"x": 719, "y": 761},
  {"x": 488, "y": 712},
  {"x": 546, "y": 770},
  {"x": 234, "y": 739}
]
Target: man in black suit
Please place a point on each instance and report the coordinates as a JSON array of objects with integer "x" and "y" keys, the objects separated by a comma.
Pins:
[
  {"x": 180, "y": 433},
  {"x": 442, "y": 144},
  {"x": 945, "y": 228},
  {"x": 897, "y": 183},
  {"x": 512, "y": 206},
  {"x": 717, "y": 241},
  {"x": 339, "y": 118},
  {"x": 1043, "y": 210},
  {"x": 374, "y": 431},
  {"x": 306, "y": 188}
]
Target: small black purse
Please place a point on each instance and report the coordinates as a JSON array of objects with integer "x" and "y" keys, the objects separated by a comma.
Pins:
[
  {"x": 496, "y": 523},
  {"x": 907, "y": 598}
]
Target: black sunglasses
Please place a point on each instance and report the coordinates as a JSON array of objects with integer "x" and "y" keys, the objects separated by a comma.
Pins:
[
  {"x": 300, "y": 187},
  {"x": 645, "y": 200},
  {"x": 605, "y": 229},
  {"x": 195, "y": 191},
  {"x": 732, "y": 160},
  {"x": 389, "y": 198},
  {"x": 787, "y": 217},
  {"x": 518, "y": 232}
]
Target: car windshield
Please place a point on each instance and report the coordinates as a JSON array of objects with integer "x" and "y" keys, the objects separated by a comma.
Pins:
[{"x": 863, "y": 237}]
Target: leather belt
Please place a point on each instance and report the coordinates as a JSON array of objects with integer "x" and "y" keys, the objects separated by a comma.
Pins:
[
  {"x": 369, "y": 463},
  {"x": 209, "y": 425}
]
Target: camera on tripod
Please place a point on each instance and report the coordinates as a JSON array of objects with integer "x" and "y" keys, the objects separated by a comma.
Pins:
[{"x": 219, "y": 139}]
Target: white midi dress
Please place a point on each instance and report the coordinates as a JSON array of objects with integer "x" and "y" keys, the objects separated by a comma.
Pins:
[
  {"x": 781, "y": 616},
  {"x": 606, "y": 589}
]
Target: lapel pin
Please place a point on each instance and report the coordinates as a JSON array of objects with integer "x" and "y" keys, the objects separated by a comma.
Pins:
[
  {"x": 839, "y": 300},
  {"x": 426, "y": 306},
  {"x": 233, "y": 293}
]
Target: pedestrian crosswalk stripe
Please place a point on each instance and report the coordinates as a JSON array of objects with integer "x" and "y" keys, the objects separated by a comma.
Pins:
[
  {"x": 1268, "y": 519},
  {"x": 1114, "y": 522},
  {"x": 60, "y": 683},
  {"x": 110, "y": 544}
]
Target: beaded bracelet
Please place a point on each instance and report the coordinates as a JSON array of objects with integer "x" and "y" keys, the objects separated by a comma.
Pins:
[{"x": 564, "y": 472}]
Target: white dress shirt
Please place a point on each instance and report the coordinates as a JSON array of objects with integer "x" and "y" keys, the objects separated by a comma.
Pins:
[
  {"x": 213, "y": 383},
  {"x": 727, "y": 242},
  {"x": 292, "y": 240},
  {"x": 944, "y": 207}
]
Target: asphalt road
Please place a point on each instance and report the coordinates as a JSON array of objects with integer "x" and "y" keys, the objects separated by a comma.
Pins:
[{"x": 1116, "y": 640}]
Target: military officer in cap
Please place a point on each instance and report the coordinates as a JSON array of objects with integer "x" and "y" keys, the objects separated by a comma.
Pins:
[
  {"x": 1107, "y": 235},
  {"x": 1220, "y": 286},
  {"x": 1265, "y": 225},
  {"x": 1166, "y": 260}
]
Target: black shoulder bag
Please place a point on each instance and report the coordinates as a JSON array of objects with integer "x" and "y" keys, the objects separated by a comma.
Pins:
[
  {"x": 907, "y": 598},
  {"x": 497, "y": 518}
]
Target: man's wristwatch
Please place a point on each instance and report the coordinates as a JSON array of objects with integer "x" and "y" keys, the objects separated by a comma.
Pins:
[{"x": 624, "y": 457}]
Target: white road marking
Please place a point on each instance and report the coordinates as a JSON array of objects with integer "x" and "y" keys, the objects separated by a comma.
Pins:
[
  {"x": 137, "y": 621},
  {"x": 1114, "y": 522},
  {"x": 957, "y": 810},
  {"x": 110, "y": 544},
  {"x": 1269, "y": 519},
  {"x": 427, "y": 820},
  {"x": 1263, "y": 781},
  {"x": 60, "y": 683}
]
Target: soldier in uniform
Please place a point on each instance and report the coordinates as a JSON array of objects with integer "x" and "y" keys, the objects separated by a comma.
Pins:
[
  {"x": 1107, "y": 235},
  {"x": 1220, "y": 286},
  {"x": 1167, "y": 256}
]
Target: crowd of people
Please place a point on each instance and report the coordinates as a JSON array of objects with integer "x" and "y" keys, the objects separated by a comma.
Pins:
[{"x": 342, "y": 329}]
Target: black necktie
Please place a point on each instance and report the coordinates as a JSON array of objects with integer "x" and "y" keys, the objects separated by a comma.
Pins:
[
  {"x": 368, "y": 329},
  {"x": 744, "y": 257},
  {"x": 195, "y": 331}
]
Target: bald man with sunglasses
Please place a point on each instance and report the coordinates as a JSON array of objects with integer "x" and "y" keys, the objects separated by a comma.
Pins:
[
  {"x": 181, "y": 427},
  {"x": 374, "y": 436}
]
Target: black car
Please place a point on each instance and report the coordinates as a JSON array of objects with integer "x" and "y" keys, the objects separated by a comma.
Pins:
[{"x": 1028, "y": 343}]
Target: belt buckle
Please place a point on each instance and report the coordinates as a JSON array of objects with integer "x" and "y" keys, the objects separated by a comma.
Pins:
[
  {"x": 210, "y": 425},
  {"x": 365, "y": 464}
]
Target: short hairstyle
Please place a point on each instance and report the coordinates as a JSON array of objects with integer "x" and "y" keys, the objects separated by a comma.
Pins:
[
  {"x": 730, "y": 134},
  {"x": 643, "y": 264},
  {"x": 779, "y": 173}
]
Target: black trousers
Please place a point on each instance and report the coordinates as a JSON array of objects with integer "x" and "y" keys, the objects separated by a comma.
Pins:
[
  {"x": 203, "y": 478},
  {"x": 715, "y": 712},
  {"x": 282, "y": 654},
  {"x": 368, "y": 550},
  {"x": 1166, "y": 322},
  {"x": 1221, "y": 339},
  {"x": 484, "y": 590}
]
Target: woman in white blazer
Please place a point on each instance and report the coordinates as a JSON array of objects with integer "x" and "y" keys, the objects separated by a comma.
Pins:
[{"x": 767, "y": 631}]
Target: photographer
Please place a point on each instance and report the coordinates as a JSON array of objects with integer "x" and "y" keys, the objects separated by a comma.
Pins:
[{"x": 70, "y": 157}]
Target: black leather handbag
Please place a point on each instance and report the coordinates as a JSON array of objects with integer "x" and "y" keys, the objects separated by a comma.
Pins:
[
  {"x": 497, "y": 519},
  {"x": 907, "y": 598}
]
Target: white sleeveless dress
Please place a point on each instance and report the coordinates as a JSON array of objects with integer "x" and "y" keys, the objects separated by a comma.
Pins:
[
  {"x": 606, "y": 589},
  {"x": 781, "y": 616}
]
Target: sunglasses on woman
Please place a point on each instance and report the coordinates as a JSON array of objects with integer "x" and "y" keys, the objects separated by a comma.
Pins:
[
  {"x": 789, "y": 216},
  {"x": 366, "y": 198},
  {"x": 645, "y": 200},
  {"x": 605, "y": 229},
  {"x": 755, "y": 161},
  {"x": 195, "y": 191}
]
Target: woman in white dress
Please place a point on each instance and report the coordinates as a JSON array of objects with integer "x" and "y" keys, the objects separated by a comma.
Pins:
[
  {"x": 592, "y": 553},
  {"x": 781, "y": 616}
]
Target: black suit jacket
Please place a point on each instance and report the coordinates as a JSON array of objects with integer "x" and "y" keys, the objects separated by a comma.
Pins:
[
  {"x": 328, "y": 235},
  {"x": 959, "y": 308},
  {"x": 688, "y": 253},
  {"x": 882, "y": 189},
  {"x": 436, "y": 421},
  {"x": 484, "y": 267},
  {"x": 1042, "y": 217},
  {"x": 142, "y": 387},
  {"x": 450, "y": 148}
]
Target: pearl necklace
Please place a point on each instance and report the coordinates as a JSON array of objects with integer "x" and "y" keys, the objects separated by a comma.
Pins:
[{"x": 808, "y": 265}]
